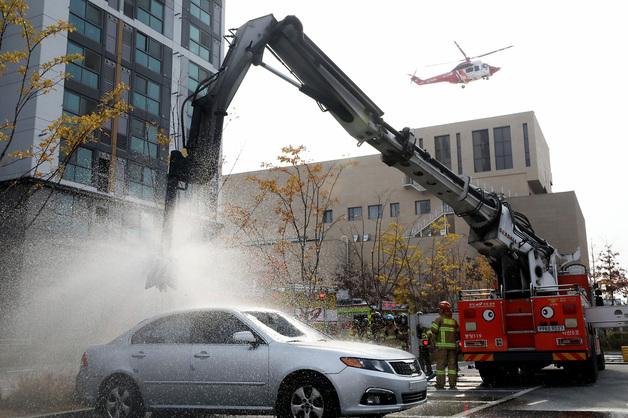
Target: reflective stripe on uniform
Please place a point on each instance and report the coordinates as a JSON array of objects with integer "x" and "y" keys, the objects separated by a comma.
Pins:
[
  {"x": 445, "y": 345},
  {"x": 440, "y": 372},
  {"x": 453, "y": 372}
]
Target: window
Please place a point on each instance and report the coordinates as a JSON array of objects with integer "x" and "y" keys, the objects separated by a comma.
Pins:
[
  {"x": 503, "y": 148},
  {"x": 102, "y": 180},
  {"x": 420, "y": 142},
  {"x": 79, "y": 166},
  {"x": 141, "y": 181},
  {"x": 196, "y": 74},
  {"x": 151, "y": 13},
  {"x": 199, "y": 42},
  {"x": 175, "y": 329},
  {"x": 443, "y": 150},
  {"x": 421, "y": 207},
  {"x": 84, "y": 71},
  {"x": 354, "y": 214},
  {"x": 111, "y": 34},
  {"x": 77, "y": 105},
  {"x": 459, "y": 153},
  {"x": 86, "y": 18},
  {"x": 200, "y": 9},
  {"x": 375, "y": 211},
  {"x": 394, "y": 210},
  {"x": 526, "y": 144},
  {"x": 147, "y": 52},
  {"x": 277, "y": 323},
  {"x": 144, "y": 138},
  {"x": 146, "y": 95},
  {"x": 216, "y": 328},
  {"x": 481, "y": 151},
  {"x": 328, "y": 216}
]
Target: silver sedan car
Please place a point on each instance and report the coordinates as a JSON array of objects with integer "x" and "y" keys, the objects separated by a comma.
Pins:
[{"x": 245, "y": 361}]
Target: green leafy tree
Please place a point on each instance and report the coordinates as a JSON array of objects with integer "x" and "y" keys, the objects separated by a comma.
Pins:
[{"x": 610, "y": 274}]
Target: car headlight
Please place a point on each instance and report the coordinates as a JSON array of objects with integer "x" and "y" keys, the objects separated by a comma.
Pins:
[{"x": 367, "y": 363}]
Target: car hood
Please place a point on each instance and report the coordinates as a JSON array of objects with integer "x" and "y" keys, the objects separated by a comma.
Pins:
[{"x": 355, "y": 349}]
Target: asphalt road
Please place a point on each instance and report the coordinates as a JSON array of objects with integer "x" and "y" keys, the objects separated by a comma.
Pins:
[
  {"x": 558, "y": 398},
  {"x": 551, "y": 395}
]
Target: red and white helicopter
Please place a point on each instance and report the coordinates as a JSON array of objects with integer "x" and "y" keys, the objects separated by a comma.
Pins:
[{"x": 464, "y": 72}]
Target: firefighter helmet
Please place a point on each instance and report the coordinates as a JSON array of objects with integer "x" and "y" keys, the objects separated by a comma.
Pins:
[{"x": 444, "y": 306}]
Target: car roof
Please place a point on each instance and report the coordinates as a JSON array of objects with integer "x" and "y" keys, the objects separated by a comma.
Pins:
[{"x": 211, "y": 309}]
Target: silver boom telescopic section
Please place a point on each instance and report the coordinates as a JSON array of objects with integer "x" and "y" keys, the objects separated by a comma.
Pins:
[{"x": 494, "y": 229}]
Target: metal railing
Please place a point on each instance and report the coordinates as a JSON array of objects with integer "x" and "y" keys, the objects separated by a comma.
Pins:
[
  {"x": 478, "y": 294},
  {"x": 559, "y": 290}
]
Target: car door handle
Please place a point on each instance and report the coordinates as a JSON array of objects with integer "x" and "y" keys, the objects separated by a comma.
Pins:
[
  {"x": 202, "y": 354},
  {"x": 139, "y": 354}
]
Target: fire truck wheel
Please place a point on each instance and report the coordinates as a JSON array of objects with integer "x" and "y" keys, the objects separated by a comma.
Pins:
[
  {"x": 495, "y": 376},
  {"x": 601, "y": 363},
  {"x": 585, "y": 371},
  {"x": 590, "y": 369},
  {"x": 488, "y": 373}
]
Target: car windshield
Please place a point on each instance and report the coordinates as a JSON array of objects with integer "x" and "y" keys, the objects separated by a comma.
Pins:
[{"x": 285, "y": 326}]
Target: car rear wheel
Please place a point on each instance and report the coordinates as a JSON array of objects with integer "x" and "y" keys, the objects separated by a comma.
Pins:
[
  {"x": 120, "y": 398},
  {"x": 307, "y": 396}
]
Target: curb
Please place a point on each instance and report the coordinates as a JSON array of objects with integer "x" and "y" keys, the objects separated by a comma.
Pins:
[{"x": 74, "y": 413}]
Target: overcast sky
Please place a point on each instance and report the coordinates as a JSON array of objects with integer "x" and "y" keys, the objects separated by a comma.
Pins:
[{"x": 569, "y": 66}]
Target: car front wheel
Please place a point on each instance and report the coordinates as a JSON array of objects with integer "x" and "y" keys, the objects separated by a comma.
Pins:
[
  {"x": 121, "y": 399},
  {"x": 307, "y": 397}
]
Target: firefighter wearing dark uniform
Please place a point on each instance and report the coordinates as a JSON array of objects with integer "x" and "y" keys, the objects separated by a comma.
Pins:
[
  {"x": 424, "y": 352},
  {"x": 444, "y": 333},
  {"x": 390, "y": 332},
  {"x": 402, "y": 331}
]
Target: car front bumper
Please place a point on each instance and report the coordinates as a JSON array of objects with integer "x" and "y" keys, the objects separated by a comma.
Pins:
[{"x": 352, "y": 384}]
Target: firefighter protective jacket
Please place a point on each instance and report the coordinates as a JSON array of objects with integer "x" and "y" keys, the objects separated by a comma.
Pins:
[{"x": 444, "y": 332}]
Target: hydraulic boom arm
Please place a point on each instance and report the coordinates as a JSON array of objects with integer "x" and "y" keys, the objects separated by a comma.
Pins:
[{"x": 519, "y": 257}]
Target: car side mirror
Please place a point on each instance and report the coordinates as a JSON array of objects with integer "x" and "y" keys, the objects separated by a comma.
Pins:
[{"x": 244, "y": 337}]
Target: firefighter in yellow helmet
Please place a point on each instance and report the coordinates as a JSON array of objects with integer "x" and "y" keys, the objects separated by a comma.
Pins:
[{"x": 444, "y": 334}]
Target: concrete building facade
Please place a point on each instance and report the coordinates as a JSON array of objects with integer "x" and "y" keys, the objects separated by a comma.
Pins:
[{"x": 504, "y": 154}]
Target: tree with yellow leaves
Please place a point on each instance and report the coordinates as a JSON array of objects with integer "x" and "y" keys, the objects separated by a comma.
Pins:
[
  {"x": 299, "y": 193},
  {"x": 60, "y": 139},
  {"x": 443, "y": 271}
]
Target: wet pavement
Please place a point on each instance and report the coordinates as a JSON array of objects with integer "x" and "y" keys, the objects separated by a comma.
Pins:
[
  {"x": 549, "y": 395},
  {"x": 469, "y": 399},
  {"x": 607, "y": 398}
]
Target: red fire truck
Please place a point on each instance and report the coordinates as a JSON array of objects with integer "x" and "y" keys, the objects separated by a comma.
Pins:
[
  {"x": 534, "y": 316},
  {"x": 509, "y": 333}
]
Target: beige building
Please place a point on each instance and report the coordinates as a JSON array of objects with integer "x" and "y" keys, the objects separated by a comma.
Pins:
[{"x": 504, "y": 154}]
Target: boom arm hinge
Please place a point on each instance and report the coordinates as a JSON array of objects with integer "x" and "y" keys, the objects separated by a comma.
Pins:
[{"x": 408, "y": 145}]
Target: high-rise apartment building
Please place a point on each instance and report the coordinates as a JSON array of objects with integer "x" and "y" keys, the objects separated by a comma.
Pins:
[{"x": 161, "y": 49}]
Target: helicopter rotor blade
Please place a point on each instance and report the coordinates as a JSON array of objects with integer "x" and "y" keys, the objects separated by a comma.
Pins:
[
  {"x": 444, "y": 63},
  {"x": 463, "y": 53},
  {"x": 412, "y": 76},
  {"x": 492, "y": 52}
]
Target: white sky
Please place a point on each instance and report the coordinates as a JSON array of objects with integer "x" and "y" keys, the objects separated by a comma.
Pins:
[{"x": 569, "y": 66}]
